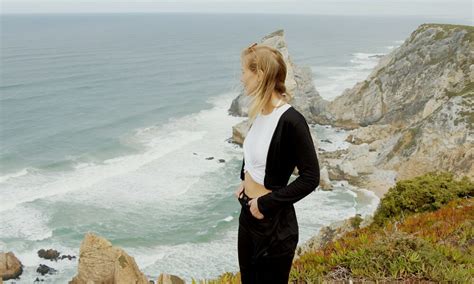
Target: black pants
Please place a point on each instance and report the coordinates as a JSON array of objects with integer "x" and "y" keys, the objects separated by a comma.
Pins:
[{"x": 266, "y": 247}]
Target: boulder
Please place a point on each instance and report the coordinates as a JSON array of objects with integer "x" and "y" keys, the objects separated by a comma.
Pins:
[
  {"x": 10, "y": 266},
  {"x": 169, "y": 279},
  {"x": 100, "y": 262}
]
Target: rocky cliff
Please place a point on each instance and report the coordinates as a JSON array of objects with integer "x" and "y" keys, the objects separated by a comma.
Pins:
[
  {"x": 422, "y": 95},
  {"x": 413, "y": 114},
  {"x": 298, "y": 81},
  {"x": 430, "y": 68}
]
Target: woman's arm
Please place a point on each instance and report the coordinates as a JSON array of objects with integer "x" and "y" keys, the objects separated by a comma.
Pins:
[{"x": 308, "y": 169}]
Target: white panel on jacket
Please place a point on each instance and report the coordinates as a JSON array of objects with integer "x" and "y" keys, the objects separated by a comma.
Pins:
[{"x": 257, "y": 142}]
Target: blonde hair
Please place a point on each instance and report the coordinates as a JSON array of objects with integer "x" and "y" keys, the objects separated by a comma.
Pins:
[{"x": 269, "y": 62}]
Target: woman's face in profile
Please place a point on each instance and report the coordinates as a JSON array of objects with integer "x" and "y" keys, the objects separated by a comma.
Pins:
[{"x": 248, "y": 78}]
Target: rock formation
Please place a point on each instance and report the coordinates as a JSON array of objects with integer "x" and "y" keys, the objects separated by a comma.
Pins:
[
  {"x": 100, "y": 262},
  {"x": 10, "y": 266},
  {"x": 169, "y": 279},
  {"x": 432, "y": 67},
  {"x": 413, "y": 113},
  {"x": 415, "y": 110},
  {"x": 298, "y": 81}
]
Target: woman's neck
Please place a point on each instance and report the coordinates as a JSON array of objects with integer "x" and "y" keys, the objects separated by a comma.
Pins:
[{"x": 277, "y": 100}]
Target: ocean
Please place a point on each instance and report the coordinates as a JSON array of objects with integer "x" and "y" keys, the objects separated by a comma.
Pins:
[{"x": 107, "y": 121}]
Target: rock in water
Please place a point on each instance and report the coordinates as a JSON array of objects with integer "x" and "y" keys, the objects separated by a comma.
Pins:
[
  {"x": 100, "y": 262},
  {"x": 10, "y": 266},
  {"x": 169, "y": 279}
]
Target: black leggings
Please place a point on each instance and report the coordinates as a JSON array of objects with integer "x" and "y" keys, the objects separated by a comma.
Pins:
[{"x": 262, "y": 258}]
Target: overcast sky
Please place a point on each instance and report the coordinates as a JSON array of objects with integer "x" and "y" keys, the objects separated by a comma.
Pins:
[{"x": 439, "y": 8}]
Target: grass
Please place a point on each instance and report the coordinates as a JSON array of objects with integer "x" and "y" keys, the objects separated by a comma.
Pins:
[{"x": 423, "y": 230}]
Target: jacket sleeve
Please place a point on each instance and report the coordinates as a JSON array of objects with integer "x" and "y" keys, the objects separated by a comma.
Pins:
[
  {"x": 308, "y": 169},
  {"x": 242, "y": 174}
]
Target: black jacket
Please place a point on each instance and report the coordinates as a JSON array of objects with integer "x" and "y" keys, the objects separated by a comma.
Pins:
[{"x": 291, "y": 145}]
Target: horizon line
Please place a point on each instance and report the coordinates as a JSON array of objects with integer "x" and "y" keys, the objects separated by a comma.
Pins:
[{"x": 224, "y": 12}]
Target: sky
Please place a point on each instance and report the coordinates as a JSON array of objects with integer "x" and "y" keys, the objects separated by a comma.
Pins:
[{"x": 462, "y": 9}]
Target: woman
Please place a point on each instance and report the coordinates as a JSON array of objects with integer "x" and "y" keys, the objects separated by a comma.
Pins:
[{"x": 278, "y": 141}]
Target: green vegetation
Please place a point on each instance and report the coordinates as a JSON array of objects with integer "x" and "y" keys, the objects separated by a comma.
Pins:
[
  {"x": 445, "y": 57},
  {"x": 468, "y": 117},
  {"x": 420, "y": 194},
  {"x": 366, "y": 83},
  {"x": 356, "y": 221},
  {"x": 227, "y": 278},
  {"x": 467, "y": 91},
  {"x": 440, "y": 35},
  {"x": 364, "y": 87},
  {"x": 446, "y": 29},
  {"x": 406, "y": 143},
  {"x": 379, "y": 84},
  {"x": 423, "y": 230}
]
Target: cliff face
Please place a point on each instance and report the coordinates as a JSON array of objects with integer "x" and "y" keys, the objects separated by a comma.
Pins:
[
  {"x": 413, "y": 81},
  {"x": 442, "y": 140},
  {"x": 413, "y": 113},
  {"x": 423, "y": 90}
]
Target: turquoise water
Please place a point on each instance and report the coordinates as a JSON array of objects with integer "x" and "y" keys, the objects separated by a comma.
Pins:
[{"x": 107, "y": 120}]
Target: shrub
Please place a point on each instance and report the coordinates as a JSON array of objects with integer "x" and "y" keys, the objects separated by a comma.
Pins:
[{"x": 423, "y": 193}]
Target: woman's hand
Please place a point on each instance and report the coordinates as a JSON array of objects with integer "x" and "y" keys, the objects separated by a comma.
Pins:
[
  {"x": 239, "y": 190},
  {"x": 254, "y": 208}
]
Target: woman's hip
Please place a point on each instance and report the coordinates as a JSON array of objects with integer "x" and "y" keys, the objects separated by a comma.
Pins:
[
  {"x": 277, "y": 234},
  {"x": 285, "y": 217}
]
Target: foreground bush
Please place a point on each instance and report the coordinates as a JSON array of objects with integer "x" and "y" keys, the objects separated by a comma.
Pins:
[
  {"x": 442, "y": 250},
  {"x": 428, "y": 192},
  {"x": 423, "y": 231}
]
